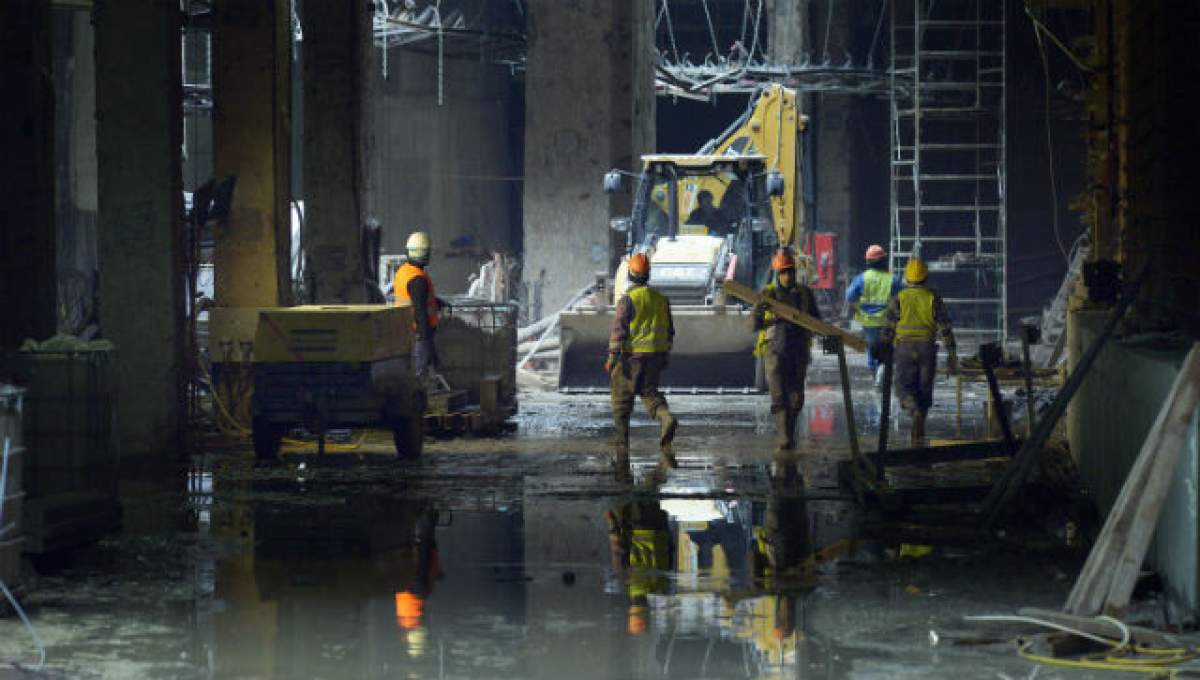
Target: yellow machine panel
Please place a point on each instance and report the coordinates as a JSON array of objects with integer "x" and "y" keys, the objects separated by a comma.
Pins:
[{"x": 333, "y": 333}]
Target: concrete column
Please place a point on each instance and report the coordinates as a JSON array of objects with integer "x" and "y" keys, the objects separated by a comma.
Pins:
[
  {"x": 787, "y": 30},
  {"x": 835, "y": 148},
  {"x": 589, "y": 90},
  {"x": 139, "y": 129},
  {"x": 28, "y": 277},
  {"x": 251, "y": 140},
  {"x": 337, "y": 48}
]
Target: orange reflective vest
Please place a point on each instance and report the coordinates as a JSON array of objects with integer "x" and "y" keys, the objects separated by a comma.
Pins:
[{"x": 404, "y": 275}]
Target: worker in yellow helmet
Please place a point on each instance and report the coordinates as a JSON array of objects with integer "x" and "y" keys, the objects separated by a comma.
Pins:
[
  {"x": 413, "y": 286},
  {"x": 638, "y": 350},
  {"x": 785, "y": 347},
  {"x": 912, "y": 323}
]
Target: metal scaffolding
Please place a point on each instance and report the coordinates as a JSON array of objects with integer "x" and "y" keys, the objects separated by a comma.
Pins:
[{"x": 948, "y": 155}]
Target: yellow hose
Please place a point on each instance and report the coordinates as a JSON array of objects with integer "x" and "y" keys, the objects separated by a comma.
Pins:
[{"x": 1115, "y": 660}]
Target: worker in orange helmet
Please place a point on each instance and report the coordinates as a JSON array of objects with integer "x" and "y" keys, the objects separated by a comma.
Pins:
[
  {"x": 784, "y": 347},
  {"x": 638, "y": 351},
  {"x": 869, "y": 293}
]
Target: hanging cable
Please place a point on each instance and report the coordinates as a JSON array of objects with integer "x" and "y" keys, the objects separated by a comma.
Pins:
[
  {"x": 1050, "y": 145},
  {"x": 712, "y": 32},
  {"x": 875, "y": 40},
  {"x": 1041, "y": 27},
  {"x": 670, "y": 31},
  {"x": 745, "y": 21},
  {"x": 757, "y": 22},
  {"x": 441, "y": 52},
  {"x": 828, "y": 25}
]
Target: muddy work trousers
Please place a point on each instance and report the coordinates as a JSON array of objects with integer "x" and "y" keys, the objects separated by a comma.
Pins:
[
  {"x": 785, "y": 381},
  {"x": 915, "y": 370},
  {"x": 632, "y": 377}
]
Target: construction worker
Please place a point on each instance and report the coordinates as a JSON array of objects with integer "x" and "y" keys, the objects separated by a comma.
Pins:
[
  {"x": 638, "y": 351},
  {"x": 784, "y": 347},
  {"x": 413, "y": 285},
  {"x": 869, "y": 294},
  {"x": 912, "y": 322}
]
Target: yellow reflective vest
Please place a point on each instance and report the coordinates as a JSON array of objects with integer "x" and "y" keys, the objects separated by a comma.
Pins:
[
  {"x": 916, "y": 322},
  {"x": 650, "y": 329},
  {"x": 876, "y": 291}
]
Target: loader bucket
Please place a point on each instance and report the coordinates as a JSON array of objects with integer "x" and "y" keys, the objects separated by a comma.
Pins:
[{"x": 713, "y": 350}]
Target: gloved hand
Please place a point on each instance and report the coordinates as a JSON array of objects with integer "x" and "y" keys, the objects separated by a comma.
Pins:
[
  {"x": 760, "y": 308},
  {"x": 610, "y": 362},
  {"x": 952, "y": 363}
]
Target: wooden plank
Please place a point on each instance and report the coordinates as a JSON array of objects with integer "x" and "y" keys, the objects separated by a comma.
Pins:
[
  {"x": 1106, "y": 581},
  {"x": 793, "y": 315}
]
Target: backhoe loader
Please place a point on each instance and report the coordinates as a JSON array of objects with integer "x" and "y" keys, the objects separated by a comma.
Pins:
[{"x": 703, "y": 218}]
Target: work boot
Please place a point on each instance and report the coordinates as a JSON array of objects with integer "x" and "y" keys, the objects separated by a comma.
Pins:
[
  {"x": 667, "y": 425},
  {"x": 917, "y": 440}
]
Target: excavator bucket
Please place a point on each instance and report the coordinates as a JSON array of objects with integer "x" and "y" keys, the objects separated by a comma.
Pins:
[{"x": 713, "y": 350}]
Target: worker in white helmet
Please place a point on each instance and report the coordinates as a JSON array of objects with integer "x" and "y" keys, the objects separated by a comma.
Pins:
[{"x": 413, "y": 286}]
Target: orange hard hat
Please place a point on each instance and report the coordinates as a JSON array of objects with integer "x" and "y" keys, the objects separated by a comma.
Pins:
[
  {"x": 409, "y": 609},
  {"x": 636, "y": 624},
  {"x": 783, "y": 260},
  {"x": 639, "y": 265},
  {"x": 875, "y": 252}
]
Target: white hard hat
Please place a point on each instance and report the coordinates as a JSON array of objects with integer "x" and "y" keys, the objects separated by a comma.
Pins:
[{"x": 418, "y": 246}]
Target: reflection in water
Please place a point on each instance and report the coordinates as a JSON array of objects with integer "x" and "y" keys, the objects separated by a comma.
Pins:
[{"x": 362, "y": 583}]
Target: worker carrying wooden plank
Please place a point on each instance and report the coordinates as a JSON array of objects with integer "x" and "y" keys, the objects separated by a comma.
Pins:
[
  {"x": 914, "y": 319},
  {"x": 785, "y": 348}
]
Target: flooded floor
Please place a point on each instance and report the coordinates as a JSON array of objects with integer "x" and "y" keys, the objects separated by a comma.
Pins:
[{"x": 528, "y": 556}]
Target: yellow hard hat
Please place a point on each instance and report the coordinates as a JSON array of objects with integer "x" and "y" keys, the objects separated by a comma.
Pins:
[{"x": 915, "y": 271}]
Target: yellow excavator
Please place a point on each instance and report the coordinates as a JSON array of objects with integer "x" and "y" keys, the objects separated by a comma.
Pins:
[{"x": 703, "y": 218}]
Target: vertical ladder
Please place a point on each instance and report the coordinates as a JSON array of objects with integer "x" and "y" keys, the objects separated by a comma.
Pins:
[{"x": 948, "y": 174}]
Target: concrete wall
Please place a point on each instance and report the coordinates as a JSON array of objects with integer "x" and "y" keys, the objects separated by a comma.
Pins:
[
  {"x": 590, "y": 108},
  {"x": 140, "y": 208},
  {"x": 450, "y": 169},
  {"x": 1106, "y": 424}
]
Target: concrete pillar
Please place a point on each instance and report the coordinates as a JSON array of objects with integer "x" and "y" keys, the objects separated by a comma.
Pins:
[
  {"x": 787, "y": 30},
  {"x": 835, "y": 148},
  {"x": 337, "y": 48},
  {"x": 138, "y": 134},
  {"x": 28, "y": 277},
  {"x": 589, "y": 89},
  {"x": 251, "y": 140}
]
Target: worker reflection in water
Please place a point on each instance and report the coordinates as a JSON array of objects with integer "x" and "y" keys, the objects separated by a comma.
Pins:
[
  {"x": 410, "y": 601},
  {"x": 641, "y": 550},
  {"x": 784, "y": 347},
  {"x": 869, "y": 293},
  {"x": 912, "y": 322},
  {"x": 638, "y": 350},
  {"x": 413, "y": 285}
]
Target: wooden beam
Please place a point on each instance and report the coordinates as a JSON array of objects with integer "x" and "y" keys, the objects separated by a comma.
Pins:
[
  {"x": 793, "y": 315},
  {"x": 1106, "y": 581}
]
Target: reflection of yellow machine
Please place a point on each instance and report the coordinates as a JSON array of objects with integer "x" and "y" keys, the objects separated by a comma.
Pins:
[{"x": 752, "y": 174}]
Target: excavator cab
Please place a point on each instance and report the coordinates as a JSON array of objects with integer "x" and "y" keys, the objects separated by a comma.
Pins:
[{"x": 701, "y": 219}]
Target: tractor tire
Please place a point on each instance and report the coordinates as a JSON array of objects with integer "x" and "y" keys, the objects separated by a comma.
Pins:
[
  {"x": 267, "y": 437},
  {"x": 408, "y": 434}
]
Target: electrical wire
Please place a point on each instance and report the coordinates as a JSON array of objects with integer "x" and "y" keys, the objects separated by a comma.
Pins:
[
  {"x": 8, "y": 595},
  {"x": 1053, "y": 38},
  {"x": 1049, "y": 141},
  {"x": 1122, "y": 656}
]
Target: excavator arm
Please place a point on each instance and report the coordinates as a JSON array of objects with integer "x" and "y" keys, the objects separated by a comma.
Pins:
[{"x": 771, "y": 127}]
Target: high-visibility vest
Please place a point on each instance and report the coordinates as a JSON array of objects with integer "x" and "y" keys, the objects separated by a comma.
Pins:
[
  {"x": 877, "y": 290},
  {"x": 764, "y": 334},
  {"x": 650, "y": 329},
  {"x": 404, "y": 275},
  {"x": 916, "y": 314}
]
